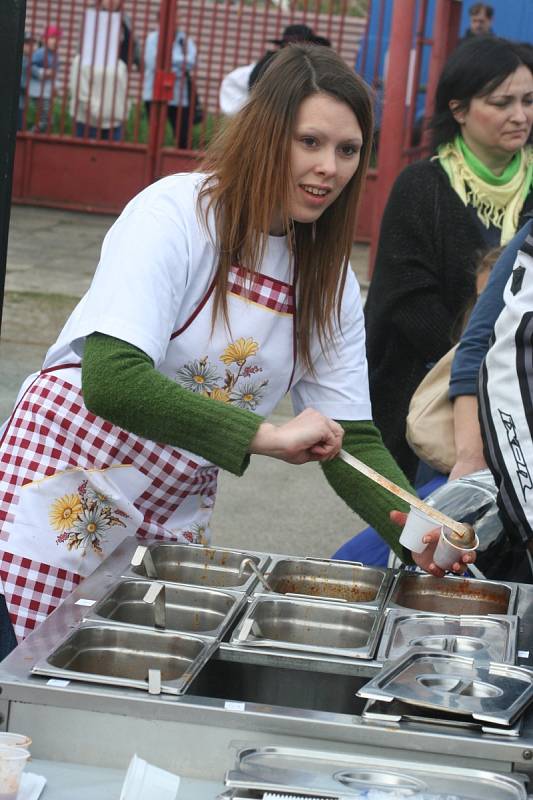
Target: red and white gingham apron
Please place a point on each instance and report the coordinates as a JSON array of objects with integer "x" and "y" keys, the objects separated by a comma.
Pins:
[{"x": 73, "y": 485}]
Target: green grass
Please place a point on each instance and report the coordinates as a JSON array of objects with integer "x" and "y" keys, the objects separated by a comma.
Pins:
[
  {"x": 352, "y": 8},
  {"x": 201, "y": 135}
]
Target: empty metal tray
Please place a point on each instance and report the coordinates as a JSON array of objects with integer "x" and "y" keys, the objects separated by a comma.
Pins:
[
  {"x": 212, "y": 567},
  {"x": 481, "y": 638},
  {"x": 315, "y": 773},
  {"x": 496, "y": 693},
  {"x": 188, "y": 609},
  {"x": 331, "y": 580},
  {"x": 451, "y": 595},
  {"x": 305, "y": 625},
  {"x": 125, "y": 657},
  {"x": 403, "y": 715}
]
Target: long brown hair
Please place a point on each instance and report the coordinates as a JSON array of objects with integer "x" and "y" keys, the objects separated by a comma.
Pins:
[{"x": 249, "y": 170}]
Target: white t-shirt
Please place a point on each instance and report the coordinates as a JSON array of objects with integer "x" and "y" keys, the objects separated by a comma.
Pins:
[
  {"x": 156, "y": 265},
  {"x": 233, "y": 92}
]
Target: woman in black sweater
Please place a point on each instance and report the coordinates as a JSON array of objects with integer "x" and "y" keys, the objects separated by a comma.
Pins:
[{"x": 442, "y": 215}]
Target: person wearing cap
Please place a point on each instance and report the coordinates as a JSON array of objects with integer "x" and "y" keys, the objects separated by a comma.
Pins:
[
  {"x": 291, "y": 34},
  {"x": 44, "y": 67},
  {"x": 235, "y": 88}
]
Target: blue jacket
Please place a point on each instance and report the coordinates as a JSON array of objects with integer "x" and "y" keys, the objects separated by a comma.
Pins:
[
  {"x": 43, "y": 59},
  {"x": 183, "y": 60},
  {"x": 475, "y": 339}
]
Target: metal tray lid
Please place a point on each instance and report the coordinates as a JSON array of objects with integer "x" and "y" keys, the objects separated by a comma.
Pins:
[
  {"x": 334, "y": 775},
  {"x": 398, "y": 714},
  {"x": 490, "y": 691},
  {"x": 483, "y": 638}
]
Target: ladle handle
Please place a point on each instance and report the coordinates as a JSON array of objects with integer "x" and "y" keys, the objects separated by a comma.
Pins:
[{"x": 403, "y": 494}]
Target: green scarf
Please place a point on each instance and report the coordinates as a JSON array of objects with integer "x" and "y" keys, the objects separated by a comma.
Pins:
[{"x": 498, "y": 199}]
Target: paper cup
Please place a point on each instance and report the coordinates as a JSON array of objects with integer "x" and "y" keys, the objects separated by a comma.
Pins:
[
  {"x": 12, "y": 763},
  {"x": 8, "y": 739},
  {"x": 415, "y": 528},
  {"x": 446, "y": 553},
  {"x": 145, "y": 782}
]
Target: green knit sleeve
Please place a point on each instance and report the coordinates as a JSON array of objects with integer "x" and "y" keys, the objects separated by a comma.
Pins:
[
  {"x": 366, "y": 498},
  {"x": 120, "y": 384}
]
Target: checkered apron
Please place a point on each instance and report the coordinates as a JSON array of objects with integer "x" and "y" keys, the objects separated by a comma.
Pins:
[
  {"x": 506, "y": 399},
  {"x": 72, "y": 485}
]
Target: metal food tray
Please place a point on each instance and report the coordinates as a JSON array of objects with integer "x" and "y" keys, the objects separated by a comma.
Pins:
[
  {"x": 451, "y": 595},
  {"x": 401, "y": 715},
  {"x": 485, "y": 638},
  {"x": 196, "y": 565},
  {"x": 156, "y": 661},
  {"x": 186, "y": 609},
  {"x": 327, "y": 579},
  {"x": 290, "y": 623},
  {"x": 318, "y": 774},
  {"x": 496, "y": 693}
]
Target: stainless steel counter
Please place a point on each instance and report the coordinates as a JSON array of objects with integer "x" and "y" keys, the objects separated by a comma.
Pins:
[{"x": 242, "y": 697}]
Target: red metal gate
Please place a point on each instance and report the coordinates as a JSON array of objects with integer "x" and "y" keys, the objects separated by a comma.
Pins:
[{"x": 75, "y": 153}]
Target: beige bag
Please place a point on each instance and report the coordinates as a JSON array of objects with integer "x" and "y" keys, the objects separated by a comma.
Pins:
[{"x": 429, "y": 427}]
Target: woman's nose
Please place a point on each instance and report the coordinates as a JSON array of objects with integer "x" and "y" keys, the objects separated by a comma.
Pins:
[
  {"x": 521, "y": 113},
  {"x": 327, "y": 163}
]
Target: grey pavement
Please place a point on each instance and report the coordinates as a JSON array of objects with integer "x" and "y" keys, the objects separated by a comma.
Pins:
[{"x": 52, "y": 256}]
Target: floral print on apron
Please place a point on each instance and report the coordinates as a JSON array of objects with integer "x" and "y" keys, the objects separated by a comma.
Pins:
[{"x": 73, "y": 485}]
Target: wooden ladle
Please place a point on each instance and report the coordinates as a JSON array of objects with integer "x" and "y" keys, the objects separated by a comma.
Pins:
[{"x": 464, "y": 532}]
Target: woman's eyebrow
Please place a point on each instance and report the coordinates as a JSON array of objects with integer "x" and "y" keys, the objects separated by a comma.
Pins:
[{"x": 506, "y": 95}]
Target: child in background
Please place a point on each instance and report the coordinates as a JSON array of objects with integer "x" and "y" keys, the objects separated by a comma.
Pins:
[
  {"x": 44, "y": 67},
  {"x": 26, "y": 58}
]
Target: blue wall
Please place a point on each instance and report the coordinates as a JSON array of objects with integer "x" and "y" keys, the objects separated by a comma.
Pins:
[{"x": 512, "y": 19}]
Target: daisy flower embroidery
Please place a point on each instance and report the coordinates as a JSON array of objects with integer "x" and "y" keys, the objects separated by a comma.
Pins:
[
  {"x": 235, "y": 386},
  {"x": 83, "y": 519},
  {"x": 248, "y": 394},
  {"x": 198, "y": 376}
]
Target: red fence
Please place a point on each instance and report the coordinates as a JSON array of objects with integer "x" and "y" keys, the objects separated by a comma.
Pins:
[{"x": 74, "y": 153}]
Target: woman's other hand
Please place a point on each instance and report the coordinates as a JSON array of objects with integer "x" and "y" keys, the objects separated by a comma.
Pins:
[
  {"x": 308, "y": 437},
  {"x": 424, "y": 560}
]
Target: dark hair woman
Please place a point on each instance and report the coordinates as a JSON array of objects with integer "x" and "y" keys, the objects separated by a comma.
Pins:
[
  {"x": 442, "y": 215},
  {"x": 215, "y": 293}
]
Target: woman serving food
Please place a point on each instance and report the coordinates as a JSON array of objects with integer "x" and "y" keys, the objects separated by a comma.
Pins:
[{"x": 216, "y": 292}]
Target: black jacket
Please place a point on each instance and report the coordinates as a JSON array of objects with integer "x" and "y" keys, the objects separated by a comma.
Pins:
[{"x": 429, "y": 249}]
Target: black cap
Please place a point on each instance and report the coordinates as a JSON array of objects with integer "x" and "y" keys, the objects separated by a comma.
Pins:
[{"x": 295, "y": 33}]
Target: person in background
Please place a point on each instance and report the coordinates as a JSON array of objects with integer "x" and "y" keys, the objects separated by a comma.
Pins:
[
  {"x": 234, "y": 90},
  {"x": 290, "y": 35},
  {"x": 24, "y": 69},
  {"x": 442, "y": 214},
  {"x": 44, "y": 66},
  {"x": 183, "y": 61},
  {"x": 236, "y": 86},
  {"x": 188, "y": 338},
  {"x": 481, "y": 16},
  {"x": 469, "y": 357},
  {"x": 99, "y": 94},
  {"x": 506, "y": 417}
]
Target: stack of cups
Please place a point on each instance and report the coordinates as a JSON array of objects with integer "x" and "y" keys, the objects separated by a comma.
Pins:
[
  {"x": 447, "y": 552},
  {"x": 145, "y": 781},
  {"x": 13, "y": 759}
]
